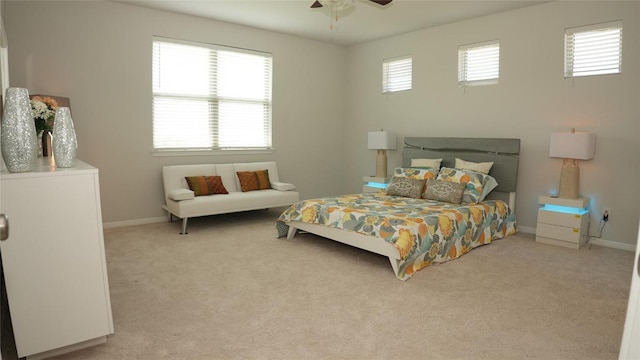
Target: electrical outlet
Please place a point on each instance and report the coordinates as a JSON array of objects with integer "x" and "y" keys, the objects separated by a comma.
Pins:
[{"x": 606, "y": 213}]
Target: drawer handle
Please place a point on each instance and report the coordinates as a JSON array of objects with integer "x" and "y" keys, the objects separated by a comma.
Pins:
[{"x": 4, "y": 227}]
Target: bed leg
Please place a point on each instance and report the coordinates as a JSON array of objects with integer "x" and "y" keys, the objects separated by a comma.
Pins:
[
  {"x": 394, "y": 264},
  {"x": 184, "y": 226},
  {"x": 512, "y": 201},
  {"x": 292, "y": 232}
]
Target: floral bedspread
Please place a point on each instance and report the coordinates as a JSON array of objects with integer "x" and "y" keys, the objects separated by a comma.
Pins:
[{"x": 425, "y": 232}]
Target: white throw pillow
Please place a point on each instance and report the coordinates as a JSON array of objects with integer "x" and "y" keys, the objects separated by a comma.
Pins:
[
  {"x": 431, "y": 163},
  {"x": 482, "y": 167}
]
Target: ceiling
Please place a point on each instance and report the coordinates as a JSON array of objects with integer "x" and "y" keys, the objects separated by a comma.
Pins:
[{"x": 365, "y": 21}]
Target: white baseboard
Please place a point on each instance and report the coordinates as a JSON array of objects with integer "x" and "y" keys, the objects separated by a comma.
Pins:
[
  {"x": 613, "y": 244},
  {"x": 527, "y": 230},
  {"x": 599, "y": 242},
  {"x": 524, "y": 229},
  {"x": 117, "y": 224}
]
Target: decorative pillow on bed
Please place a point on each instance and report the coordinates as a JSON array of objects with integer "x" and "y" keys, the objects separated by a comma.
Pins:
[
  {"x": 429, "y": 163},
  {"x": 415, "y": 173},
  {"x": 489, "y": 184},
  {"x": 446, "y": 191},
  {"x": 481, "y": 167},
  {"x": 474, "y": 180},
  {"x": 254, "y": 180},
  {"x": 206, "y": 185},
  {"x": 402, "y": 186}
]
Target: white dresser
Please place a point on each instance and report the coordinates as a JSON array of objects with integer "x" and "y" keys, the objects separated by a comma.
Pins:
[{"x": 54, "y": 260}]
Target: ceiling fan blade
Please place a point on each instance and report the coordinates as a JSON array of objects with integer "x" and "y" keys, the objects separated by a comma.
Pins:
[
  {"x": 381, "y": 2},
  {"x": 316, "y": 5}
]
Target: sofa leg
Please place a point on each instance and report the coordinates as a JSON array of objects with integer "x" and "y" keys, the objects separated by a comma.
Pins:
[
  {"x": 169, "y": 216},
  {"x": 184, "y": 226}
]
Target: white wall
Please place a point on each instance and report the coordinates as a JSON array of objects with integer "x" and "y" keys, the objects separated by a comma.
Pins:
[
  {"x": 531, "y": 100},
  {"x": 99, "y": 55}
]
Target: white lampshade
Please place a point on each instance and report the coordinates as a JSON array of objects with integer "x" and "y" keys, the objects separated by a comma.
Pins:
[
  {"x": 382, "y": 140},
  {"x": 572, "y": 145}
]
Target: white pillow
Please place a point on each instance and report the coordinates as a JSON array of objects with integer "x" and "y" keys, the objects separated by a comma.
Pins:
[
  {"x": 181, "y": 194},
  {"x": 282, "y": 186},
  {"x": 431, "y": 163},
  {"x": 482, "y": 167}
]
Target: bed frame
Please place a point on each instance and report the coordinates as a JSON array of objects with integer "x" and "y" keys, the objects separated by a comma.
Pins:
[{"x": 503, "y": 152}]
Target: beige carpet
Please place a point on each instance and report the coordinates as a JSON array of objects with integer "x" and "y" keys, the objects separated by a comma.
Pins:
[{"x": 231, "y": 290}]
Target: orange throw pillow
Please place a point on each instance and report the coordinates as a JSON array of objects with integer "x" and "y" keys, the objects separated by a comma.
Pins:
[
  {"x": 206, "y": 185},
  {"x": 254, "y": 180}
]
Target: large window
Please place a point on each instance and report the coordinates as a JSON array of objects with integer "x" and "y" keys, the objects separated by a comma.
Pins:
[
  {"x": 209, "y": 97},
  {"x": 479, "y": 64},
  {"x": 593, "y": 50},
  {"x": 397, "y": 74}
]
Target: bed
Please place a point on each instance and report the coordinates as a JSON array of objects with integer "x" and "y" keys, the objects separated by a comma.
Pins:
[{"x": 417, "y": 230}]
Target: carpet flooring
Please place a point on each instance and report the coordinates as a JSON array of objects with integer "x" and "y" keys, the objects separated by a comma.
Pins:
[{"x": 231, "y": 290}]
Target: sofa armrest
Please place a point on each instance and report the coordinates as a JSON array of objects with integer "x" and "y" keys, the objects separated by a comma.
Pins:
[
  {"x": 181, "y": 194},
  {"x": 282, "y": 186}
]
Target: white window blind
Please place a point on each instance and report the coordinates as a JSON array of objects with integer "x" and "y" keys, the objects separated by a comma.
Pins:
[
  {"x": 209, "y": 97},
  {"x": 593, "y": 50},
  {"x": 479, "y": 64},
  {"x": 397, "y": 74}
]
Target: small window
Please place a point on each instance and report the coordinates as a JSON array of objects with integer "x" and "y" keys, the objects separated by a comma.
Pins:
[
  {"x": 593, "y": 50},
  {"x": 479, "y": 64},
  {"x": 397, "y": 74},
  {"x": 210, "y": 98}
]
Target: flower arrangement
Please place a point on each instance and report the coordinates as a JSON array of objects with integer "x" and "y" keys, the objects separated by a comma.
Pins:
[{"x": 43, "y": 109}]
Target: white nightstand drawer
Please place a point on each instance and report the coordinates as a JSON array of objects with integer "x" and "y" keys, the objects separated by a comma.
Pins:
[
  {"x": 570, "y": 234},
  {"x": 560, "y": 218}
]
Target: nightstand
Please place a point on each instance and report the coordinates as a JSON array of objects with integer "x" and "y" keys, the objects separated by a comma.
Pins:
[
  {"x": 373, "y": 184},
  {"x": 563, "y": 222}
]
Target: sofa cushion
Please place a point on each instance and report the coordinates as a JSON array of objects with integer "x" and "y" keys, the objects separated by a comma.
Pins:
[
  {"x": 206, "y": 185},
  {"x": 233, "y": 202},
  {"x": 254, "y": 180}
]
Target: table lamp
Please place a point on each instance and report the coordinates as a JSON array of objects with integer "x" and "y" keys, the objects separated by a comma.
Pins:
[
  {"x": 572, "y": 147},
  {"x": 381, "y": 141}
]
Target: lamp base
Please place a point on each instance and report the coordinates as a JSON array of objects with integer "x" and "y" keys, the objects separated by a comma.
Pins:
[
  {"x": 569, "y": 180},
  {"x": 381, "y": 164}
]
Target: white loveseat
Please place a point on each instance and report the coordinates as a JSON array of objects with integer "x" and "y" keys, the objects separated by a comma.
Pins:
[{"x": 181, "y": 202}]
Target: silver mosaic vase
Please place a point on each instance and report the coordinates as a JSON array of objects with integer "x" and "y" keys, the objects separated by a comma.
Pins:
[
  {"x": 19, "y": 138},
  {"x": 64, "y": 143}
]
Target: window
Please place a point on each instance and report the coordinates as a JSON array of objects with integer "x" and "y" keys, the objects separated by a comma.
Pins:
[
  {"x": 479, "y": 64},
  {"x": 209, "y": 97},
  {"x": 593, "y": 50},
  {"x": 397, "y": 74}
]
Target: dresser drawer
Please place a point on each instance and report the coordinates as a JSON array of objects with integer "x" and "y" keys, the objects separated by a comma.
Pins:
[
  {"x": 560, "y": 218},
  {"x": 559, "y": 232}
]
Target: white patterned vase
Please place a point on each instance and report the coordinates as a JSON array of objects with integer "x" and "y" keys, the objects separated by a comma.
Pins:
[
  {"x": 19, "y": 139},
  {"x": 65, "y": 144}
]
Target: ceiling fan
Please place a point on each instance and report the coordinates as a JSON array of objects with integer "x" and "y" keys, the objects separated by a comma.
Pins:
[
  {"x": 338, "y": 5},
  {"x": 332, "y": 3}
]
